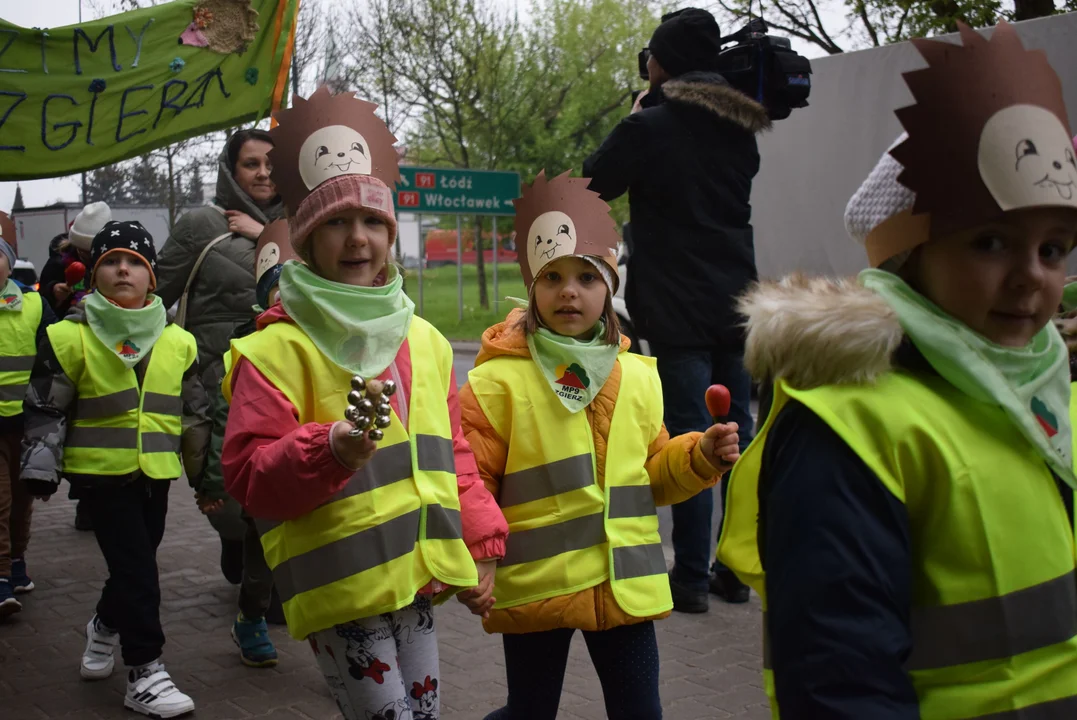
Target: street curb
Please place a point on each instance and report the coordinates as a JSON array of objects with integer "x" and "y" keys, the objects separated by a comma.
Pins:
[{"x": 465, "y": 346}]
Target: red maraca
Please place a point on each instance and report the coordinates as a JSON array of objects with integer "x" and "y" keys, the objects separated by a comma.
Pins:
[
  {"x": 74, "y": 273},
  {"x": 718, "y": 401}
]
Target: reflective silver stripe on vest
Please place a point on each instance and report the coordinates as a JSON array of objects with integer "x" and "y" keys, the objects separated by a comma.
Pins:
[
  {"x": 434, "y": 453},
  {"x": 17, "y": 363},
  {"x": 994, "y": 628},
  {"x": 1061, "y": 709},
  {"x": 348, "y": 556},
  {"x": 524, "y": 546},
  {"x": 12, "y": 393},
  {"x": 631, "y": 501},
  {"x": 155, "y": 442},
  {"x": 389, "y": 465},
  {"x": 107, "y": 405},
  {"x": 443, "y": 523},
  {"x": 638, "y": 561},
  {"x": 162, "y": 404},
  {"x": 103, "y": 438},
  {"x": 547, "y": 480}
]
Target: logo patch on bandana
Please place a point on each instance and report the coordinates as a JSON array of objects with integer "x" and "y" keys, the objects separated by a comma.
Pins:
[
  {"x": 9, "y": 299},
  {"x": 573, "y": 381},
  {"x": 1047, "y": 420},
  {"x": 127, "y": 349}
]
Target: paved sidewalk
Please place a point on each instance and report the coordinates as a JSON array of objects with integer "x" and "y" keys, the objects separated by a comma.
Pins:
[{"x": 710, "y": 663}]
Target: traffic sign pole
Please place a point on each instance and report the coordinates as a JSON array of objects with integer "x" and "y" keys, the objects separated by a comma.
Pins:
[
  {"x": 496, "y": 243},
  {"x": 422, "y": 261},
  {"x": 459, "y": 271}
]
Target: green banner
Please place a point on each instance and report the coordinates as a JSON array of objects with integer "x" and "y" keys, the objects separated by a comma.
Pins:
[{"x": 82, "y": 96}]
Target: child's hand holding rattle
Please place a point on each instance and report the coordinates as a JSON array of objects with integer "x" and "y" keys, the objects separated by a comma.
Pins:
[{"x": 720, "y": 444}]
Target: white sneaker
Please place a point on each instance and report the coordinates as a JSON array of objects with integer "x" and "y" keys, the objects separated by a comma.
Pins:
[
  {"x": 98, "y": 658},
  {"x": 150, "y": 691}
]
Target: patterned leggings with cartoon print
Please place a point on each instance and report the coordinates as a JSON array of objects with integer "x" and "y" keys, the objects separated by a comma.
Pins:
[{"x": 383, "y": 667}]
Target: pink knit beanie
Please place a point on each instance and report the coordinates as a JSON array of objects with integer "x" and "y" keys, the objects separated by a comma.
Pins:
[{"x": 331, "y": 154}]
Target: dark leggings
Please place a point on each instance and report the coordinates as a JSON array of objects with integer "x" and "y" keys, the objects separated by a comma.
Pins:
[{"x": 626, "y": 659}]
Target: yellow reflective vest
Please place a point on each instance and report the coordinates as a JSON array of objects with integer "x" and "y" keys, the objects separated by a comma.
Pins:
[
  {"x": 994, "y": 589},
  {"x": 18, "y": 350},
  {"x": 566, "y": 533},
  {"x": 396, "y": 524},
  {"x": 119, "y": 427}
]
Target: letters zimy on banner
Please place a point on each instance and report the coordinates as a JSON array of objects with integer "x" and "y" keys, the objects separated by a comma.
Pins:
[{"x": 82, "y": 96}]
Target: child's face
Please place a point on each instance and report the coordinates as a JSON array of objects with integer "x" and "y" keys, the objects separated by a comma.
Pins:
[
  {"x": 1003, "y": 279},
  {"x": 350, "y": 248},
  {"x": 570, "y": 296},
  {"x": 5, "y": 270},
  {"x": 123, "y": 279}
]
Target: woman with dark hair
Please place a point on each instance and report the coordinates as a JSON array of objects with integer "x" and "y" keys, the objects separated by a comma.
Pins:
[{"x": 212, "y": 249}]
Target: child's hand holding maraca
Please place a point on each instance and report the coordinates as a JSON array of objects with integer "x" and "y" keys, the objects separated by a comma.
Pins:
[{"x": 720, "y": 444}]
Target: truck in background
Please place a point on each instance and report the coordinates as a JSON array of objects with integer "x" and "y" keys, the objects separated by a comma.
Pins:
[{"x": 35, "y": 227}]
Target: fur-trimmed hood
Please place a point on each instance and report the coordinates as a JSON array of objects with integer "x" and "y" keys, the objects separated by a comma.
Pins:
[
  {"x": 818, "y": 331},
  {"x": 711, "y": 92}
]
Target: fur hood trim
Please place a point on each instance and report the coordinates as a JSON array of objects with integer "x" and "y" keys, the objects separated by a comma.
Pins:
[
  {"x": 721, "y": 100},
  {"x": 818, "y": 331}
]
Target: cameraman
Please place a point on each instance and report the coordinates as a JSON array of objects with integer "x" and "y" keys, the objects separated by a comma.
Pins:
[{"x": 687, "y": 155}]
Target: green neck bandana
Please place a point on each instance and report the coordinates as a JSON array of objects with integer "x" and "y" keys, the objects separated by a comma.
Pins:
[
  {"x": 130, "y": 334},
  {"x": 359, "y": 328},
  {"x": 11, "y": 297},
  {"x": 575, "y": 370},
  {"x": 1032, "y": 384}
]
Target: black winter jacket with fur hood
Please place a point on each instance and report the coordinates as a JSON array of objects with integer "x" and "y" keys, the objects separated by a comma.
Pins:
[{"x": 687, "y": 161}]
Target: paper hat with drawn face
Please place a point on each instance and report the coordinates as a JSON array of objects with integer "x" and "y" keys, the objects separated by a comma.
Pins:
[
  {"x": 332, "y": 153},
  {"x": 559, "y": 218},
  {"x": 272, "y": 251},
  {"x": 7, "y": 232},
  {"x": 988, "y": 134}
]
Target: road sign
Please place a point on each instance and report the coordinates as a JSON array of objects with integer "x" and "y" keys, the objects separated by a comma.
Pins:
[{"x": 445, "y": 191}]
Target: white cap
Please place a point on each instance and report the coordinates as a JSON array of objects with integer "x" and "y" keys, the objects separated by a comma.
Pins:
[
  {"x": 88, "y": 223},
  {"x": 879, "y": 198}
]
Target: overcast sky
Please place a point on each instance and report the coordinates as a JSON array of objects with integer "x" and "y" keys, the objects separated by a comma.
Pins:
[{"x": 57, "y": 13}]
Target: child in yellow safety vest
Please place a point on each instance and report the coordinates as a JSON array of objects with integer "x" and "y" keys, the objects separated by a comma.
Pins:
[
  {"x": 363, "y": 527},
  {"x": 23, "y": 320},
  {"x": 906, "y": 512},
  {"x": 114, "y": 396},
  {"x": 567, "y": 429}
]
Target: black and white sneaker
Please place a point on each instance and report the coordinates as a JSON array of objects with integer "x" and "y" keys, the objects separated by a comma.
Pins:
[
  {"x": 98, "y": 659},
  {"x": 150, "y": 691}
]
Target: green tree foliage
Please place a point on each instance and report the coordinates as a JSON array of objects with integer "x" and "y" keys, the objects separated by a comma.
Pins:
[{"x": 873, "y": 23}]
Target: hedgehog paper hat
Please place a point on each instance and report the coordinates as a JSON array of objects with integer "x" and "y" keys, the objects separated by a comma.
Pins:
[
  {"x": 7, "y": 232},
  {"x": 561, "y": 217},
  {"x": 329, "y": 136},
  {"x": 988, "y": 133}
]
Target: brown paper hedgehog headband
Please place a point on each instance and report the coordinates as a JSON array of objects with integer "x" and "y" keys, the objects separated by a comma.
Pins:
[
  {"x": 559, "y": 218},
  {"x": 988, "y": 134},
  {"x": 331, "y": 153}
]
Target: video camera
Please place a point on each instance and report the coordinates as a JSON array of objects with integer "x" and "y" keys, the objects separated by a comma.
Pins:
[{"x": 763, "y": 67}]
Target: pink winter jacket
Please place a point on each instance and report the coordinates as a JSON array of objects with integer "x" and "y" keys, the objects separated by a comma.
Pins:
[{"x": 278, "y": 469}]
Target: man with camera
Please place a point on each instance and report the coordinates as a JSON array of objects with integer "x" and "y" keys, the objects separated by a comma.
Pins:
[{"x": 687, "y": 156}]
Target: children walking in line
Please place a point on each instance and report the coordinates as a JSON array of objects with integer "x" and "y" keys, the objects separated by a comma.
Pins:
[
  {"x": 113, "y": 396},
  {"x": 566, "y": 426},
  {"x": 23, "y": 319},
  {"x": 906, "y": 512},
  {"x": 249, "y": 631},
  {"x": 361, "y": 533}
]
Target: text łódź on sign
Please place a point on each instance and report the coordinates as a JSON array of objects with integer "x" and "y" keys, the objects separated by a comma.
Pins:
[
  {"x": 459, "y": 192},
  {"x": 78, "y": 97}
]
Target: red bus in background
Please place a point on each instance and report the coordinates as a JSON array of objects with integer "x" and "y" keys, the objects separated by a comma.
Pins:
[{"x": 441, "y": 248}]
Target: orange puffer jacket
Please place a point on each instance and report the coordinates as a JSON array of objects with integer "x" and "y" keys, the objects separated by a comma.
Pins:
[{"x": 677, "y": 467}]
